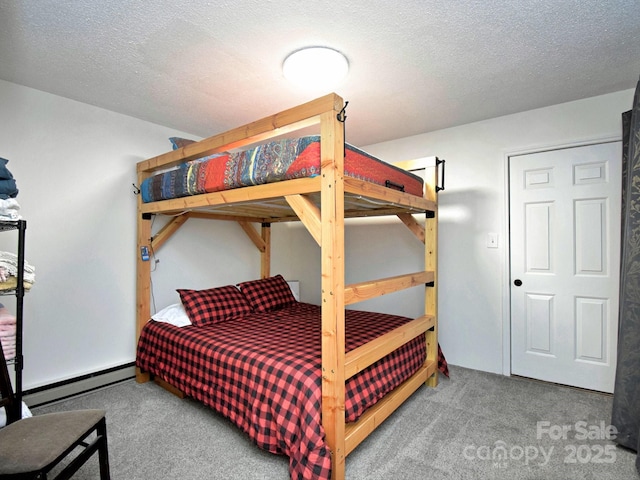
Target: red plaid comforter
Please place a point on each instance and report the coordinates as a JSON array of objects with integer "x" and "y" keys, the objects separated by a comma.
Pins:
[{"x": 263, "y": 373}]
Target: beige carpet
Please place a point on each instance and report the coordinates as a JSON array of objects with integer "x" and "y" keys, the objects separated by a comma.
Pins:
[{"x": 475, "y": 425}]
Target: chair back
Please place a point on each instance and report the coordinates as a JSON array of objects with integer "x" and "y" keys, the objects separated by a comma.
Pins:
[{"x": 7, "y": 396}]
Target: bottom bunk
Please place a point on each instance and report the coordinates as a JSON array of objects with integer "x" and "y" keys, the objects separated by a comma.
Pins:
[{"x": 258, "y": 362}]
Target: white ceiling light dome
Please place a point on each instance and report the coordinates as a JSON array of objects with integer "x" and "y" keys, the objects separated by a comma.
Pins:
[{"x": 316, "y": 67}]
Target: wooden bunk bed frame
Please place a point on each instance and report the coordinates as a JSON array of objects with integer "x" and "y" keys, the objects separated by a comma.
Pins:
[{"x": 321, "y": 203}]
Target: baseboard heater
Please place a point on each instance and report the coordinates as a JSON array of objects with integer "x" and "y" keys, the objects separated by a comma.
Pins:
[{"x": 78, "y": 385}]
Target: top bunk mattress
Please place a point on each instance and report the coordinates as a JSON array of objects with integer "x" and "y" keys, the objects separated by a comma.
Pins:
[{"x": 283, "y": 159}]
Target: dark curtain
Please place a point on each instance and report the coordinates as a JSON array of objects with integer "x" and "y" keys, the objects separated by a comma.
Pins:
[{"x": 626, "y": 397}]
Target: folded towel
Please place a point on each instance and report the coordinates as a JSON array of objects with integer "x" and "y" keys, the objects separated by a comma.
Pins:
[
  {"x": 8, "y": 187},
  {"x": 9, "y": 266},
  {"x": 6, "y": 317},
  {"x": 7, "y": 322},
  {"x": 12, "y": 282},
  {"x": 9, "y": 354},
  {"x": 9, "y": 208},
  {"x": 5, "y": 174},
  {"x": 7, "y": 335}
]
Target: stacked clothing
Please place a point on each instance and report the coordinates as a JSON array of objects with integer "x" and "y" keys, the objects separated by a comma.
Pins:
[
  {"x": 8, "y": 192},
  {"x": 7, "y": 333},
  {"x": 8, "y": 187},
  {"x": 9, "y": 272},
  {"x": 9, "y": 208}
]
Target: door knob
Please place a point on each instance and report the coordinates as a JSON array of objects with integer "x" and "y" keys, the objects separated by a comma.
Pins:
[{"x": 517, "y": 282}]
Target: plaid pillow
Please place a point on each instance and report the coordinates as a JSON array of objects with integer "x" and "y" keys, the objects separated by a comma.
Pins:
[
  {"x": 268, "y": 294},
  {"x": 214, "y": 305}
]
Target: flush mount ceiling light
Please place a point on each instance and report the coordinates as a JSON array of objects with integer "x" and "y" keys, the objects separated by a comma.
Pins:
[{"x": 315, "y": 67}]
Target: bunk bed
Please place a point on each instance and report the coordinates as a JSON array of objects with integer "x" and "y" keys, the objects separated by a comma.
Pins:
[{"x": 321, "y": 199}]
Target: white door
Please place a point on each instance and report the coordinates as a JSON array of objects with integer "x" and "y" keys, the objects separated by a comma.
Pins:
[{"x": 565, "y": 264}]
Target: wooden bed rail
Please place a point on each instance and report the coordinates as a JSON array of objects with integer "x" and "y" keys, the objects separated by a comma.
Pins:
[
  {"x": 359, "y": 292},
  {"x": 297, "y": 118},
  {"x": 360, "y": 358}
]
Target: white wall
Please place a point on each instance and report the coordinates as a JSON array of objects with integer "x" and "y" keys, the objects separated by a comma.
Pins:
[
  {"x": 374, "y": 248},
  {"x": 473, "y": 279},
  {"x": 75, "y": 165},
  {"x": 202, "y": 254}
]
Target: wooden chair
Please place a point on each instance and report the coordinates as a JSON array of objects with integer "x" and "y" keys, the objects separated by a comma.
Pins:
[{"x": 31, "y": 448}]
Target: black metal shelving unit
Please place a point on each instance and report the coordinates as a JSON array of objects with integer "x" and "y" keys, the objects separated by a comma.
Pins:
[{"x": 20, "y": 226}]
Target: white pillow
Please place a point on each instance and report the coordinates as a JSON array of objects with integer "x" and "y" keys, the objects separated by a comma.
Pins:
[{"x": 173, "y": 314}]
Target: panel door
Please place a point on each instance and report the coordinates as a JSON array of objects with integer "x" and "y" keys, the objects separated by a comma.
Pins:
[{"x": 565, "y": 263}]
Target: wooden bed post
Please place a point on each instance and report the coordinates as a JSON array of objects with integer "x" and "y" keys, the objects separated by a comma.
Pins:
[
  {"x": 431, "y": 264},
  {"x": 265, "y": 256},
  {"x": 143, "y": 289},
  {"x": 333, "y": 334}
]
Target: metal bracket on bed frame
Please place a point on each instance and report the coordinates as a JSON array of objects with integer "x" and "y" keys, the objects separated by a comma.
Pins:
[
  {"x": 430, "y": 214},
  {"x": 440, "y": 187},
  {"x": 342, "y": 114},
  {"x": 147, "y": 216},
  {"x": 342, "y": 118},
  {"x": 430, "y": 284},
  {"x": 397, "y": 186}
]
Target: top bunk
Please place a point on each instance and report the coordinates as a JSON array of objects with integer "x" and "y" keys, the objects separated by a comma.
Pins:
[{"x": 273, "y": 170}]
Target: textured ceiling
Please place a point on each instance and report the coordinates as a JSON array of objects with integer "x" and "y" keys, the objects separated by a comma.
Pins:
[{"x": 415, "y": 65}]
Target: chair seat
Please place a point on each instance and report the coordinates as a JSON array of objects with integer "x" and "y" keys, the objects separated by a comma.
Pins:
[{"x": 32, "y": 444}]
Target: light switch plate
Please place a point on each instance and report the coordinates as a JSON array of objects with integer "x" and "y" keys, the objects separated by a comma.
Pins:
[{"x": 492, "y": 240}]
